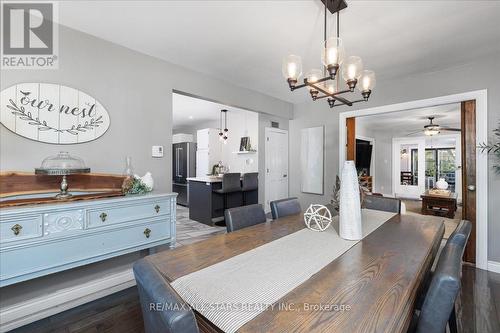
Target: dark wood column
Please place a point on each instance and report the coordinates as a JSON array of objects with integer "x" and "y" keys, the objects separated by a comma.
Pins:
[
  {"x": 469, "y": 148},
  {"x": 351, "y": 139}
]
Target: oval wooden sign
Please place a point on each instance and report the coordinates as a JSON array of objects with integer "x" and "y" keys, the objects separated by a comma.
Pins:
[{"x": 52, "y": 113}]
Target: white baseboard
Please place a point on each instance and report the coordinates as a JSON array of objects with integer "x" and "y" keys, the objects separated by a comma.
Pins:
[
  {"x": 35, "y": 309},
  {"x": 494, "y": 266}
]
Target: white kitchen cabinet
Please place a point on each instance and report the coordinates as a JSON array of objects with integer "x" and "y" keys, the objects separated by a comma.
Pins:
[{"x": 209, "y": 150}]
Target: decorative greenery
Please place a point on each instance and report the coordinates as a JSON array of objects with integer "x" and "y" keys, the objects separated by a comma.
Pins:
[
  {"x": 335, "y": 202},
  {"x": 336, "y": 194},
  {"x": 493, "y": 148},
  {"x": 43, "y": 126},
  {"x": 133, "y": 185}
]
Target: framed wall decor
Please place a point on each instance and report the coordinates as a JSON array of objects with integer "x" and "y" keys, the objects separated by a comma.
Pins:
[
  {"x": 312, "y": 159},
  {"x": 52, "y": 113}
]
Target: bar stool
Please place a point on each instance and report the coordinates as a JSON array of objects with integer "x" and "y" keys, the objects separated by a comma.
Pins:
[
  {"x": 231, "y": 191},
  {"x": 250, "y": 188}
]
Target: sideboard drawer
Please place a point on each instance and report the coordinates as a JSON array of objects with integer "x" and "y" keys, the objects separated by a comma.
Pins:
[
  {"x": 43, "y": 258},
  {"x": 112, "y": 215},
  {"x": 25, "y": 227}
]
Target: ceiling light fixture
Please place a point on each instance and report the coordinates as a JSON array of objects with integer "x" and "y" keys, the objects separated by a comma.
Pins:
[
  {"x": 325, "y": 83},
  {"x": 431, "y": 129},
  {"x": 223, "y": 131}
]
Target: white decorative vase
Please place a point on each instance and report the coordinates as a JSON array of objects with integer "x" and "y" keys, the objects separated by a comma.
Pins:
[
  {"x": 441, "y": 184},
  {"x": 350, "y": 206}
]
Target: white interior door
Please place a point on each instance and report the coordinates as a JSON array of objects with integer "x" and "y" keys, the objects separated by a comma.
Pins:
[
  {"x": 408, "y": 155},
  {"x": 276, "y": 176}
]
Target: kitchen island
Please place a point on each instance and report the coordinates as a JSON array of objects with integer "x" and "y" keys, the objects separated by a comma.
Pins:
[{"x": 207, "y": 206}]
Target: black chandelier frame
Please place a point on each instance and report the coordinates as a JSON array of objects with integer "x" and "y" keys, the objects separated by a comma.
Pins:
[{"x": 333, "y": 99}]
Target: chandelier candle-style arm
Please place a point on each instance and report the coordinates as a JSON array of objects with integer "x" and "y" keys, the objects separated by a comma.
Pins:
[{"x": 334, "y": 96}]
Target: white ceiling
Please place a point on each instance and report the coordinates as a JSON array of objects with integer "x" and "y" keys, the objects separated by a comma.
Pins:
[
  {"x": 190, "y": 112},
  {"x": 243, "y": 42},
  {"x": 412, "y": 120}
]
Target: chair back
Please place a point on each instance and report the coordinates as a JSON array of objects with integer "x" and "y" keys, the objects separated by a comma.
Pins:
[
  {"x": 461, "y": 234},
  {"x": 245, "y": 216},
  {"x": 250, "y": 181},
  {"x": 163, "y": 309},
  {"x": 440, "y": 298},
  {"x": 231, "y": 182},
  {"x": 443, "y": 290},
  {"x": 285, "y": 207},
  {"x": 382, "y": 203}
]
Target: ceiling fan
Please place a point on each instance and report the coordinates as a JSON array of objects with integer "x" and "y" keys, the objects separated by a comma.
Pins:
[{"x": 434, "y": 129}]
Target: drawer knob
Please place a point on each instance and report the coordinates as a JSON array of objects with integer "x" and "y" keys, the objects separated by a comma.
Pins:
[
  {"x": 147, "y": 232},
  {"x": 103, "y": 217},
  {"x": 157, "y": 208},
  {"x": 16, "y": 229}
]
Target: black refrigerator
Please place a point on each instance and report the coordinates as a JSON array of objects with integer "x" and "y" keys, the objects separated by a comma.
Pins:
[{"x": 184, "y": 166}]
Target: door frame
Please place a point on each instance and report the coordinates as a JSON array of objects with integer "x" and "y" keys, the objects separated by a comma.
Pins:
[
  {"x": 267, "y": 130},
  {"x": 481, "y": 98}
]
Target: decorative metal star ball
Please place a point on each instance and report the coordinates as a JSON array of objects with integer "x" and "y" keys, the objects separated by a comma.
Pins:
[{"x": 317, "y": 217}]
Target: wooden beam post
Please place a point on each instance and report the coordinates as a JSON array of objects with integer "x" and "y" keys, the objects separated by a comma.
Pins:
[{"x": 351, "y": 139}]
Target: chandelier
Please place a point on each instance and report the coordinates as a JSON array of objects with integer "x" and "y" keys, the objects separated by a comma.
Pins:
[
  {"x": 223, "y": 131},
  {"x": 325, "y": 83}
]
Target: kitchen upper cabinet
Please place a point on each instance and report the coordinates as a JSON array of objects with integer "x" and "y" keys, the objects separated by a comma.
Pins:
[
  {"x": 208, "y": 138},
  {"x": 209, "y": 151}
]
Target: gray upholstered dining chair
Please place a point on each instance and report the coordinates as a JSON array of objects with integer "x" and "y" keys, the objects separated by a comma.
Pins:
[
  {"x": 438, "y": 308},
  {"x": 461, "y": 234},
  {"x": 245, "y": 216},
  {"x": 250, "y": 188},
  {"x": 231, "y": 190},
  {"x": 285, "y": 207},
  {"x": 162, "y": 308},
  {"x": 382, "y": 203}
]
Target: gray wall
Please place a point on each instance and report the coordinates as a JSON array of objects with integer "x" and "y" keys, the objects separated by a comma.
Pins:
[
  {"x": 136, "y": 89},
  {"x": 311, "y": 115},
  {"x": 482, "y": 74},
  {"x": 137, "y": 92}
]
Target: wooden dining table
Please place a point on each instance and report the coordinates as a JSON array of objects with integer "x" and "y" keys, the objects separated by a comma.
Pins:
[{"x": 378, "y": 278}]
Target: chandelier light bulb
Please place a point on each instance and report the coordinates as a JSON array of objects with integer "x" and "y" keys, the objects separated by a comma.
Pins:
[
  {"x": 314, "y": 75},
  {"x": 333, "y": 52},
  {"x": 292, "y": 67},
  {"x": 366, "y": 81},
  {"x": 331, "y": 87},
  {"x": 352, "y": 68}
]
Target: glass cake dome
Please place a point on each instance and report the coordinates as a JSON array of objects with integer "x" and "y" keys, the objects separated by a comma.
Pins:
[{"x": 62, "y": 164}]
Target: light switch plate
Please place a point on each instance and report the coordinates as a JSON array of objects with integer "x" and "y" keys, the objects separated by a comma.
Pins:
[{"x": 157, "y": 151}]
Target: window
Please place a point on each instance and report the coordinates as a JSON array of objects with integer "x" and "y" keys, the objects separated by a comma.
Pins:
[{"x": 439, "y": 163}]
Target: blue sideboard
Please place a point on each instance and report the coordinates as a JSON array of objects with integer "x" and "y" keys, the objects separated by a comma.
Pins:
[{"x": 42, "y": 239}]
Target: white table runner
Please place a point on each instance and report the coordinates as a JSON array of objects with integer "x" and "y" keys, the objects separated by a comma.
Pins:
[{"x": 233, "y": 292}]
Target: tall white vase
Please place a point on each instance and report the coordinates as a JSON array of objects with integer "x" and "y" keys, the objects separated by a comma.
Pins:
[{"x": 350, "y": 206}]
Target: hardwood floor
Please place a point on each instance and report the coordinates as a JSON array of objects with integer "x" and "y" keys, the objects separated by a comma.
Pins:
[
  {"x": 478, "y": 307},
  {"x": 119, "y": 312},
  {"x": 478, "y": 310}
]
